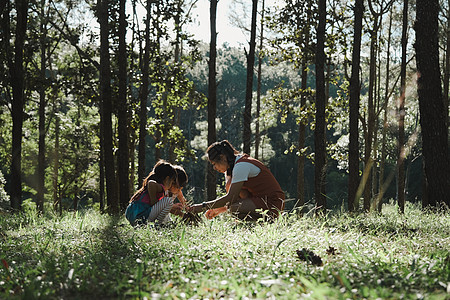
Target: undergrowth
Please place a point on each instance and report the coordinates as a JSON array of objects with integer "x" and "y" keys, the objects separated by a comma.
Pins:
[{"x": 86, "y": 255}]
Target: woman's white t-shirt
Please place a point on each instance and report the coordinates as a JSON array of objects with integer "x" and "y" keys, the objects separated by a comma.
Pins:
[{"x": 242, "y": 171}]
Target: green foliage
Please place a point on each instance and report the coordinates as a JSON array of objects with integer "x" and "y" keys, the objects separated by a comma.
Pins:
[
  {"x": 4, "y": 197},
  {"x": 88, "y": 255}
]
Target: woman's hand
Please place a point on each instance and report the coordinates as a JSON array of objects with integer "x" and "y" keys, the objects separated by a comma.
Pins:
[{"x": 211, "y": 213}]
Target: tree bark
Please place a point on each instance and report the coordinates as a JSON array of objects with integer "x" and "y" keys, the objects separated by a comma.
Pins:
[
  {"x": 247, "y": 136},
  {"x": 302, "y": 137},
  {"x": 319, "y": 133},
  {"x": 17, "y": 74},
  {"x": 106, "y": 110},
  {"x": 353, "y": 151},
  {"x": 385, "y": 124},
  {"x": 212, "y": 100},
  {"x": 431, "y": 104},
  {"x": 258, "y": 89},
  {"x": 123, "y": 159},
  {"x": 42, "y": 105},
  {"x": 368, "y": 145},
  {"x": 302, "y": 125},
  {"x": 56, "y": 198},
  {"x": 401, "y": 116},
  {"x": 143, "y": 95},
  {"x": 447, "y": 66}
]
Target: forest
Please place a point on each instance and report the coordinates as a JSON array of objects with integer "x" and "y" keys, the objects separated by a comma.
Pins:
[{"x": 345, "y": 101}]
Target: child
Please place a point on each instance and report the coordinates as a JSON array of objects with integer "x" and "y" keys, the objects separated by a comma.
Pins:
[
  {"x": 151, "y": 201},
  {"x": 176, "y": 192}
]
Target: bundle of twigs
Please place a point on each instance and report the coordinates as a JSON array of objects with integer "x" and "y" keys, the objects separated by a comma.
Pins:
[{"x": 190, "y": 218}]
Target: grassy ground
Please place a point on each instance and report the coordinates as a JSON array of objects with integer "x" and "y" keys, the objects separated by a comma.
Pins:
[{"x": 89, "y": 255}]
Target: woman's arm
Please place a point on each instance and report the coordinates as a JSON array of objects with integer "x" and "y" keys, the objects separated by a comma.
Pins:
[{"x": 228, "y": 199}]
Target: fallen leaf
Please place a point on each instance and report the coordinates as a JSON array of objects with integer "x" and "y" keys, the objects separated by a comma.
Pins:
[{"x": 309, "y": 256}]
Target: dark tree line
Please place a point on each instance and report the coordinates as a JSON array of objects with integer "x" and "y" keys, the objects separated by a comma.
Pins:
[{"x": 150, "y": 100}]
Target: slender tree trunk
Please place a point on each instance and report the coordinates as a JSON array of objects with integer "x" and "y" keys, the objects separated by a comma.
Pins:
[
  {"x": 353, "y": 155},
  {"x": 177, "y": 56},
  {"x": 302, "y": 125},
  {"x": 368, "y": 157},
  {"x": 143, "y": 95},
  {"x": 42, "y": 104},
  {"x": 212, "y": 100},
  {"x": 106, "y": 102},
  {"x": 319, "y": 133},
  {"x": 102, "y": 166},
  {"x": 375, "y": 173},
  {"x": 447, "y": 66},
  {"x": 432, "y": 114},
  {"x": 301, "y": 137},
  {"x": 247, "y": 136},
  {"x": 123, "y": 161},
  {"x": 258, "y": 91},
  {"x": 401, "y": 115},
  {"x": 56, "y": 200},
  {"x": 17, "y": 74},
  {"x": 157, "y": 137},
  {"x": 385, "y": 124},
  {"x": 76, "y": 193}
]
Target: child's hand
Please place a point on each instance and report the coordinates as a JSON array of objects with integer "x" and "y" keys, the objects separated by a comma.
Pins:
[
  {"x": 177, "y": 209},
  {"x": 211, "y": 213}
]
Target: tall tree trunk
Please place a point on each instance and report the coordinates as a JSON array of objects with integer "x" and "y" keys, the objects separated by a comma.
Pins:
[
  {"x": 143, "y": 95},
  {"x": 212, "y": 100},
  {"x": 123, "y": 161},
  {"x": 368, "y": 147},
  {"x": 77, "y": 171},
  {"x": 258, "y": 89},
  {"x": 247, "y": 136},
  {"x": 447, "y": 66},
  {"x": 301, "y": 136},
  {"x": 353, "y": 151},
  {"x": 56, "y": 199},
  {"x": 385, "y": 124},
  {"x": 159, "y": 116},
  {"x": 177, "y": 54},
  {"x": 319, "y": 133},
  {"x": 401, "y": 115},
  {"x": 102, "y": 166},
  {"x": 431, "y": 104},
  {"x": 106, "y": 103},
  {"x": 302, "y": 125},
  {"x": 42, "y": 104},
  {"x": 17, "y": 74}
]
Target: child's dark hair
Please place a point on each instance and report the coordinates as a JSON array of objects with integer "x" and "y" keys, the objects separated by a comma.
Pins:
[
  {"x": 182, "y": 177},
  {"x": 224, "y": 147},
  {"x": 160, "y": 171}
]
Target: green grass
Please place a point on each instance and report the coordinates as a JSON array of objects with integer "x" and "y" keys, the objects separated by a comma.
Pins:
[{"x": 90, "y": 255}]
